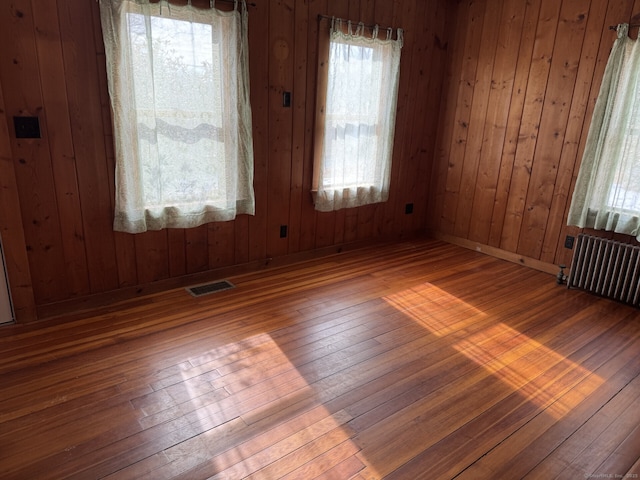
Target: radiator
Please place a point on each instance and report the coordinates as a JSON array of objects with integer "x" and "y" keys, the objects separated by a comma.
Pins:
[{"x": 607, "y": 268}]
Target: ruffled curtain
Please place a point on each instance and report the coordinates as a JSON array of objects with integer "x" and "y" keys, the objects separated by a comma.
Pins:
[
  {"x": 179, "y": 87},
  {"x": 357, "y": 142},
  {"x": 607, "y": 191}
]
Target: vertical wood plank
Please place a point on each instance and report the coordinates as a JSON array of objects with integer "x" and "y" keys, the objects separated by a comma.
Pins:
[
  {"x": 221, "y": 238},
  {"x": 354, "y": 10},
  {"x": 325, "y": 226},
  {"x": 553, "y": 124},
  {"x": 11, "y": 229},
  {"x": 126, "y": 259},
  {"x": 176, "y": 247},
  {"x": 32, "y": 161},
  {"x": 259, "y": 71},
  {"x": 308, "y": 214},
  {"x": 478, "y": 114},
  {"x": 299, "y": 191},
  {"x": 514, "y": 120},
  {"x": 151, "y": 256},
  {"x": 196, "y": 248},
  {"x": 575, "y": 124},
  {"x": 462, "y": 116},
  {"x": 414, "y": 172},
  {"x": 348, "y": 217},
  {"x": 456, "y": 40},
  {"x": 530, "y": 125},
  {"x": 282, "y": 48},
  {"x": 368, "y": 12},
  {"x": 502, "y": 82},
  {"x": 55, "y": 103},
  {"x": 241, "y": 238},
  {"x": 81, "y": 70},
  {"x": 438, "y": 44},
  {"x": 404, "y": 16}
]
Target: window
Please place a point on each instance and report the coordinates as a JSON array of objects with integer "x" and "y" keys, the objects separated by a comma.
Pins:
[
  {"x": 356, "y": 118},
  {"x": 607, "y": 191},
  {"x": 179, "y": 88}
]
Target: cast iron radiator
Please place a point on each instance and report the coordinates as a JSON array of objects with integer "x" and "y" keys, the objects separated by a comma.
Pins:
[{"x": 607, "y": 268}]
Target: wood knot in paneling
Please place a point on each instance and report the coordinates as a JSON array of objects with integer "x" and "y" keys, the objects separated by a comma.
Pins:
[{"x": 281, "y": 49}]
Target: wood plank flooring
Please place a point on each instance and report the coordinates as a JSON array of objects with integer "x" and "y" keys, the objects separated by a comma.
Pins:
[{"x": 401, "y": 361}]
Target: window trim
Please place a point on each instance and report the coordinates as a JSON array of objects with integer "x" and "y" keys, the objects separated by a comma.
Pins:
[
  {"x": 322, "y": 80},
  {"x": 132, "y": 212}
]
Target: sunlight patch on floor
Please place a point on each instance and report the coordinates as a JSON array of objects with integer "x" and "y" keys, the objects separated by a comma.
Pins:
[
  {"x": 286, "y": 426},
  {"x": 538, "y": 373}
]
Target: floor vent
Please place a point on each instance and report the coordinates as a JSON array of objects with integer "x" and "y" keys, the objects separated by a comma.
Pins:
[{"x": 207, "y": 288}]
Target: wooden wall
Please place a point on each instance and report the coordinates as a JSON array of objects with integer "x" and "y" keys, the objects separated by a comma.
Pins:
[
  {"x": 522, "y": 82},
  {"x": 494, "y": 107},
  {"x": 57, "y": 192}
]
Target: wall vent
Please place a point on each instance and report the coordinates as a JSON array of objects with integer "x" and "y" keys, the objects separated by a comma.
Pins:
[{"x": 206, "y": 288}]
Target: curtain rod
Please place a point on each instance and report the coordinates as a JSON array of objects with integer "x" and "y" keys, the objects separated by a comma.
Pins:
[
  {"x": 251, "y": 4},
  {"x": 369, "y": 26},
  {"x": 615, "y": 27}
]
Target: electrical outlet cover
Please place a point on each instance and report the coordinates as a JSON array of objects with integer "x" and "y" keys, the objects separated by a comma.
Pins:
[{"x": 568, "y": 242}]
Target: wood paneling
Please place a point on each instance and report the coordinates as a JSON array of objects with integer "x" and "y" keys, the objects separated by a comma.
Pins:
[
  {"x": 502, "y": 82},
  {"x": 11, "y": 231},
  {"x": 82, "y": 53},
  {"x": 53, "y": 66},
  {"x": 516, "y": 111},
  {"x": 32, "y": 157},
  {"x": 493, "y": 111},
  {"x": 553, "y": 124}
]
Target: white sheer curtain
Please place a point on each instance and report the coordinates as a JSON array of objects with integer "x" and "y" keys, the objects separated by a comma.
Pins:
[
  {"x": 354, "y": 167},
  {"x": 607, "y": 192},
  {"x": 179, "y": 87}
]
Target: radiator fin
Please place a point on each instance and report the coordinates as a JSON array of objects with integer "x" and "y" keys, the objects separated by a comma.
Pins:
[{"x": 606, "y": 267}]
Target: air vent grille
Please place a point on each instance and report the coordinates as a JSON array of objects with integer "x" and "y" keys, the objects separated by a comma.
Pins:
[{"x": 205, "y": 289}]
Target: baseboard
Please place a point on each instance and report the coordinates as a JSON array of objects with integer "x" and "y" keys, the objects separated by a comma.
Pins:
[
  {"x": 62, "y": 308},
  {"x": 498, "y": 253},
  {"x": 92, "y": 302}
]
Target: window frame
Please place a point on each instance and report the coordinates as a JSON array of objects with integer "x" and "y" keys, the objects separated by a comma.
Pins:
[
  {"x": 324, "y": 46},
  {"x": 134, "y": 213}
]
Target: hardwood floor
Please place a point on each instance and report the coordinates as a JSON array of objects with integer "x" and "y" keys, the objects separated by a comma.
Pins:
[{"x": 404, "y": 361}]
